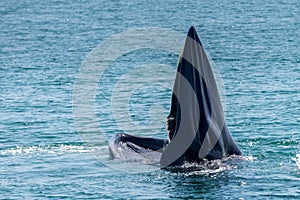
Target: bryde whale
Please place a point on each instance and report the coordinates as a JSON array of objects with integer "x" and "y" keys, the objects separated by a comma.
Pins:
[{"x": 196, "y": 124}]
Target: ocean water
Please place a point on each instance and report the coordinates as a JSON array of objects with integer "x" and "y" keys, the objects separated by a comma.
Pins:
[{"x": 43, "y": 45}]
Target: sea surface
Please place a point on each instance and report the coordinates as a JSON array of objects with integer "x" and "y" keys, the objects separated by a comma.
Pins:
[{"x": 254, "y": 45}]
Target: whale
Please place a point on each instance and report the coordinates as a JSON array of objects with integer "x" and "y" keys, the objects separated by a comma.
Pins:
[{"x": 196, "y": 124}]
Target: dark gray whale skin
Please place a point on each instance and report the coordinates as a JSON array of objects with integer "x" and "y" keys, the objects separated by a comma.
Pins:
[
  {"x": 152, "y": 144},
  {"x": 196, "y": 70}
]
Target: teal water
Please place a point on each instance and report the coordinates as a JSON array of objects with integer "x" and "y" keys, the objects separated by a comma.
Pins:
[{"x": 254, "y": 44}]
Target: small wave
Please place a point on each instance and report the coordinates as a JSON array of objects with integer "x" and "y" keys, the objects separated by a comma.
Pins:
[{"x": 44, "y": 149}]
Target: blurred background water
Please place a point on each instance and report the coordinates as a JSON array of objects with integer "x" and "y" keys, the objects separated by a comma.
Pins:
[{"x": 254, "y": 44}]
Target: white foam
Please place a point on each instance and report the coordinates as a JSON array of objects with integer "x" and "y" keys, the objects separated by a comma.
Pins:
[
  {"x": 44, "y": 149},
  {"x": 248, "y": 158}
]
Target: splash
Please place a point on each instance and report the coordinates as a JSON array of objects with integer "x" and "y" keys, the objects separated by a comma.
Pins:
[
  {"x": 123, "y": 152},
  {"x": 210, "y": 167},
  {"x": 297, "y": 160}
]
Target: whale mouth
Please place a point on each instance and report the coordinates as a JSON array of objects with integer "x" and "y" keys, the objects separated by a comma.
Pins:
[{"x": 199, "y": 132}]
